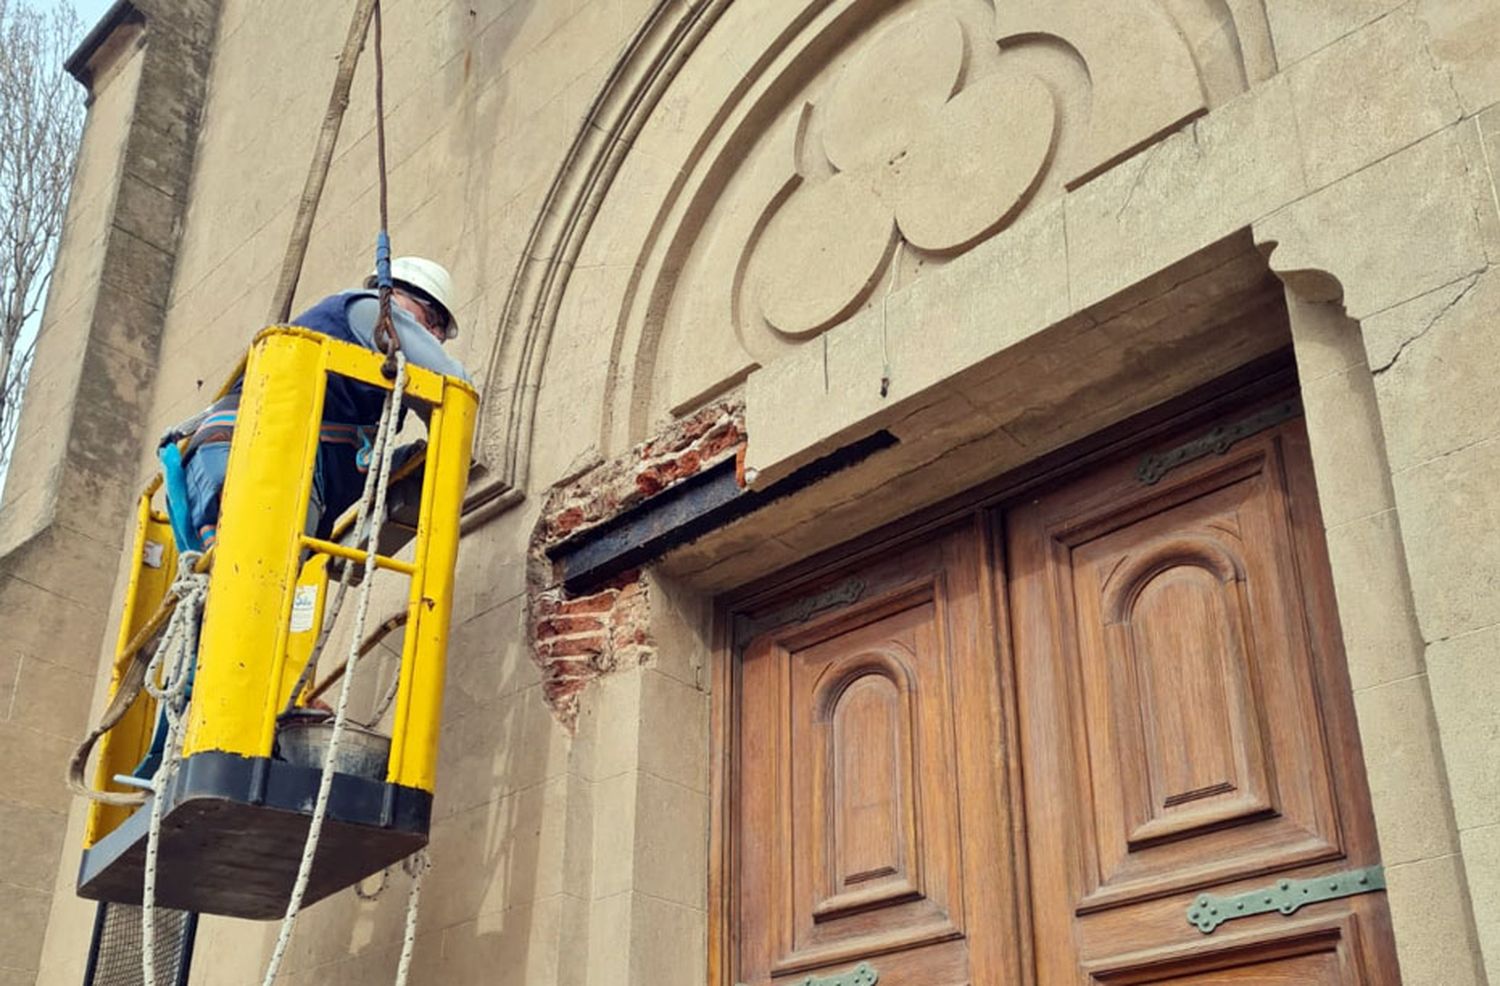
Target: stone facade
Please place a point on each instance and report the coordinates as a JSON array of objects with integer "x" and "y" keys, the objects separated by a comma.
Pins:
[
  {"x": 68, "y": 502},
  {"x": 684, "y": 231}
]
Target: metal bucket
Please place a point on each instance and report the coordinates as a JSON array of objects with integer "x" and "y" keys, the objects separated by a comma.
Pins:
[{"x": 362, "y": 752}]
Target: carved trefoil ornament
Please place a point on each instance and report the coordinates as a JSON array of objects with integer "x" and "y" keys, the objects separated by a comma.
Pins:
[
  {"x": 908, "y": 146},
  {"x": 874, "y": 141}
]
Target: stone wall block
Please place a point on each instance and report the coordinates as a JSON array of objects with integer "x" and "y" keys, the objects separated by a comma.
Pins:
[
  {"x": 1191, "y": 190},
  {"x": 1449, "y": 351},
  {"x": 671, "y": 853},
  {"x": 610, "y": 939},
  {"x": 495, "y": 855},
  {"x": 1327, "y": 341},
  {"x": 151, "y": 157},
  {"x": 1465, "y": 676},
  {"x": 1434, "y": 926},
  {"x": 37, "y": 838},
  {"x": 35, "y": 779},
  {"x": 134, "y": 328},
  {"x": 147, "y": 212},
  {"x": 22, "y": 930},
  {"x": 616, "y": 814},
  {"x": 1370, "y": 94},
  {"x": 99, "y": 508},
  {"x": 1479, "y": 136},
  {"x": 1449, "y": 514},
  {"x": 1348, "y": 449},
  {"x": 508, "y": 745},
  {"x": 674, "y": 722},
  {"x": 1301, "y": 27},
  {"x": 519, "y": 943},
  {"x": 782, "y": 399},
  {"x": 46, "y": 623},
  {"x": 974, "y": 308},
  {"x": 1405, "y": 767},
  {"x": 46, "y": 699},
  {"x": 608, "y": 738},
  {"x": 669, "y": 941},
  {"x": 1464, "y": 37},
  {"x": 194, "y": 20},
  {"x": 1387, "y": 334},
  {"x": 1482, "y": 864},
  {"x": 117, "y": 384},
  {"x": 136, "y": 267},
  {"x": 490, "y": 661},
  {"x": 1381, "y": 637},
  {"x": 1398, "y": 229}
]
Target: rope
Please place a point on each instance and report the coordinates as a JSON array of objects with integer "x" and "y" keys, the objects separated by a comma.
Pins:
[
  {"x": 371, "y": 509},
  {"x": 177, "y": 652},
  {"x": 385, "y": 335},
  {"x": 317, "y": 169},
  {"x": 372, "y": 512},
  {"x": 417, "y": 865},
  {"x": 141, "y": 648}
]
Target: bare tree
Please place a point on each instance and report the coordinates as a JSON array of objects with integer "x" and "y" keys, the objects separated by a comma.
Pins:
[{"x": 41, "y": 118}]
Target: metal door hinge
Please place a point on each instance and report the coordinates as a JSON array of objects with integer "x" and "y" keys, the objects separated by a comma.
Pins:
[
  {"x": 863, "y": 974},
  {"x": 1208, "y": 911},
  {"x": 1218, "y": 441},
  {"x": 747, "y": 629}
]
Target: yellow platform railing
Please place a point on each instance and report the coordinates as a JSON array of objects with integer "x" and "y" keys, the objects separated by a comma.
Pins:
[{"x": 265, "y": 569}]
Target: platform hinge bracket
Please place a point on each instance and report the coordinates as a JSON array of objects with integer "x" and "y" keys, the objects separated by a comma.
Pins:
[
  {"x": 1208, "y": 911},
  {"x": 863, "y": 974},
  {"x": 1216, "y": 442},
  {"x": 748, "y": 628}
]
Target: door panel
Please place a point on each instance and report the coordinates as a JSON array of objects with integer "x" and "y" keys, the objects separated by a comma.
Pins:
[
  {"x": 1185, "y": 722},
  {"x": 865, "y": 814},
  {"x": 1016, "y": 750}
]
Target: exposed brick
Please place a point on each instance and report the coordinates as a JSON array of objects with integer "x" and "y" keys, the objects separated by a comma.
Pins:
[
  {"x": 601, "y": 603},
  {"x": 571, "y": 668},
  {"x": 650, "y": 482},
  {"x": 572, "y": 646},
  {"x": 565, "y": 522},
  {"x": 721, "y": 439},
  {"x": 563, "y": 693},
  {"x": 562, "y": 625},
  {"x": 575, "y": 640}
]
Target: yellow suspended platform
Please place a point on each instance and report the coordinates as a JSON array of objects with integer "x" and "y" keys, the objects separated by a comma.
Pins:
[{"x": 236, "y": 815}]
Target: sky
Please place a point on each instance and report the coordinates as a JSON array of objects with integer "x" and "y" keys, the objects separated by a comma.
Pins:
[{"x": 89, "y": 11}]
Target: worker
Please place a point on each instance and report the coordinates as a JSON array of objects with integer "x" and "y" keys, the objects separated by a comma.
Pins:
[{"x": 422, "y": 317}]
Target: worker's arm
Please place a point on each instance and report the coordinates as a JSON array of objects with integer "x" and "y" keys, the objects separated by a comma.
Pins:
[{"x": 416, "y": 342}]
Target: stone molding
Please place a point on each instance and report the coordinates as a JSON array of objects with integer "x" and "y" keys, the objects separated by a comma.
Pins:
[
  {"x": 651, "y": 60},
  {"x": 1186, "y": 39}
]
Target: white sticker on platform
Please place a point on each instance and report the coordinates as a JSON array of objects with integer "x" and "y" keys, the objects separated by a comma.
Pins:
[
  {"x": 152, "y": 554},
  {"x": 304, "y": 608}
]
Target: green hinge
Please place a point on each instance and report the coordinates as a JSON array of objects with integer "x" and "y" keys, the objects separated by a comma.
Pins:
[
  {"x": 1208, "y": 911},
  {"x": 863, "y": 974}
]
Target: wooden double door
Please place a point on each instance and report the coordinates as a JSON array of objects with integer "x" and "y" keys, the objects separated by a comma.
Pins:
[{"x": 1018, "y": 747}]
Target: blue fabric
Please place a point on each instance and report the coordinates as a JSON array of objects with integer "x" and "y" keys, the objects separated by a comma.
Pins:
[
  {"x": 179, "y": 512},
  {"x": 205, "y": 480},
  {"x": 346, "y": 400},
  {"x": 348, "y": 317}
]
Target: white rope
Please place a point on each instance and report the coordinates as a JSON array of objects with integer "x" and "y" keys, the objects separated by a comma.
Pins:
[
  {"x": 417, "y": 865},
  {"x": 371, "y": 510},
  {"x": 177, "y": 651}
]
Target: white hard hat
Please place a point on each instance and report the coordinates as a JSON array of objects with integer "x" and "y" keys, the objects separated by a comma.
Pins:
[{"x": 429, "y": 277}]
